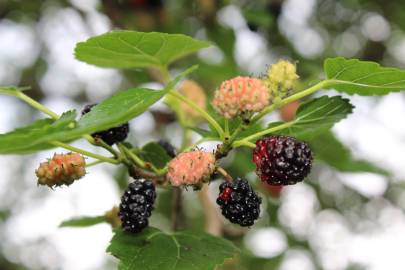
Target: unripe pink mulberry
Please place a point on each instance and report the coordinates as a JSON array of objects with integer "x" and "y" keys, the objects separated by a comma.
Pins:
[
  {"x": 240, "y": 95},
  {"x": 191, "y": 168},
  {"x": 62, "y": 169}
]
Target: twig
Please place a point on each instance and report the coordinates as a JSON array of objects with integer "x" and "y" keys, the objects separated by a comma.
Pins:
[
  {"x": 177, "y": 209},
  {"x": 213, "y": 222},
  {"x": 226, "y": 176}
]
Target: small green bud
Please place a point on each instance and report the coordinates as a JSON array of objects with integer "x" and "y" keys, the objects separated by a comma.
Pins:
[{"x": 281, "y": 79}]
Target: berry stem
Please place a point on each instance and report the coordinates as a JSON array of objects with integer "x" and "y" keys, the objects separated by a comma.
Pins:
[
  {"x": 321, "y": 85},
  {"x": 35, "y": 104},
  {"x": 213, "y": 222},
  {"x": 226, "y": 176},
  {"x": 186, "y": 140},
  {"x": 246, "y": 141},
  {"x": 203, "y": 113},
  {"x": 177, "y": 209},
  {"x": 84, "y": 152},
  {"x": 91, "y": 164},
  {"x": 227, "y": 128},
  {"x": 137, "y": 160},
  {"x": 165, "y": 74},
  {"x": 100, "y": 142}
]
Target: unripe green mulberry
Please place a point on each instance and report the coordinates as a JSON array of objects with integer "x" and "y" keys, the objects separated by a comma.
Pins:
[{"x": 281, "y": 79}]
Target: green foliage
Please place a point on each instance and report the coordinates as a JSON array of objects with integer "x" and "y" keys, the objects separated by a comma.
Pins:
[
  {"x": 130, "y": 49},
  {"x": 258, "y": 17},
  {"x": 362, "y": 77},
  {"x": 331, "y": 151},
  {"x": 36, "y": 136},
  {"x": 83, "y": 221},
  {"x": 116, "y": 110},
  {"x": 155, "y": 154},
  {"x": 154, "y": 249},
  {"x": 317, "y": 115},
  {"x": 122, "y": 107}
]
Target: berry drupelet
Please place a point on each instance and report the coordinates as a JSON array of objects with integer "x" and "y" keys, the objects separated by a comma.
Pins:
[
  {"x": 112, "y": 135},
  {"x": 282, "y": 160},
  {"x": 238, "y": 202},
  {"x": 136, "y": 205}
]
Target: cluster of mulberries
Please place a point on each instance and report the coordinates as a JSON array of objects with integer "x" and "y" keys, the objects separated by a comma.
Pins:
[
  {"x": 191, "y": 168},
  {"x": 280, "y": 160},
  {"x": 61, "y": 169},
  {"x": 112, "y": 135},
  {"x": 137, "y": 205},
  {"x": 238, "y": 202},
  {"x": 240, "y": 95}
]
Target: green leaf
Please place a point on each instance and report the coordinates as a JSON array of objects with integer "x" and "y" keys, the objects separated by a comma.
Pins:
[
  {"x": 83, "y": 221},
  {"x": 328, "y": 149},
  {"x": 241, "y": 164},
  {"x": 36, "y": 136},
  {"x": 121, "y": 107},
  {"x": 112, "y": 112},
  {"x": 317, "y": 115},
  {"x": 130, "y": 49},
  {"x": 363, "y": 77},
  {"x": 179, "y": 77},
  {"x": 117, "y": 110},
  {"x": 155, "y": 154},
  {"x": 154, "y": 249}
]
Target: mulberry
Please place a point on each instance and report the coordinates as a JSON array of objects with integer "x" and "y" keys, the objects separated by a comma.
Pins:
[
  {"x": 238, "y": 202},
  {"x": 62, "y": 169},
  {"x": 281, "y": 79},
  {"x": 282, "y": 160},
  {"x": 137, "y": 205},
  {"x": 191, "y": 168},
  {"x": 240, "y": 95}
]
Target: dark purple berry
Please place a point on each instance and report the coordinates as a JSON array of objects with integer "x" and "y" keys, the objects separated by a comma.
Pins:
[
  {"x": 137, "y": 205},
  {"x": 238, "y": 202},
  {"x": 282, "y": 160}
]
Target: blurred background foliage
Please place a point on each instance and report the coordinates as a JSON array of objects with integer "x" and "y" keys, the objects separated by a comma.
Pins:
[{"x": 348, "y": 214}]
